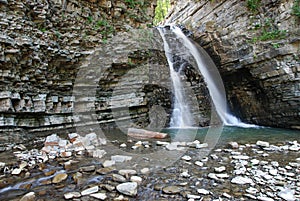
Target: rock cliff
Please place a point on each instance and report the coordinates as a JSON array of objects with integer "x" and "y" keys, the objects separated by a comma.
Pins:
[
  {"x": 256, "y": 46},
  {"x": 43, "y": 44}
]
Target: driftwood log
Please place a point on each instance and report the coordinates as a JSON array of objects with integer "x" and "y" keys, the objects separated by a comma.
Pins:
[{"x": 145, "y": 134}]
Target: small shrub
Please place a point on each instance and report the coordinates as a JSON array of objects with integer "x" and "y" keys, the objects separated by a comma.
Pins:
[
  {"x": 296, "y": 8},
  {"x": 253, "y": 5}
]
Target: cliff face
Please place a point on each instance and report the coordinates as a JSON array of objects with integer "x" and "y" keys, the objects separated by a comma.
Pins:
[
  {"x": 256, "y": 48},
  {"x": 42, "y": 46}
]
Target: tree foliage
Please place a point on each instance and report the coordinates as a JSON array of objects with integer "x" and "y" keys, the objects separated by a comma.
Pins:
[{"x": 161, "y": 10}]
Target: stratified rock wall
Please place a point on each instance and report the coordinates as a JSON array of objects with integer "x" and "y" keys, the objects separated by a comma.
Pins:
[
  {"x": 42, "y": 46},
  {"x": 256, "y": 48}
]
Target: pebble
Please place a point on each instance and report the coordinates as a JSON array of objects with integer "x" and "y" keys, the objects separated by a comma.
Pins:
[
  {"x": 186, "y": 158},
  {"x": 127, "y": 172},
  {"x": 118, "y": 178},
  {"x": 203, "y": 191},
  {"x": 28, "y": 197},
  {"x": 171, "y": 189},
  {"x": 88, "y": 168},
  {"x": 128, "y": 188},
  {"x": 71, "y": 195},
  {"x": 262, "y": 143},
  {"x": 108, "y": 163},
  {"x": 136, "y": 179},
  {"x": 59, "y": 178},
  {"x": 220, "y": 169},
  {"x": 241, "y": 180},
  {"x": 89, "y": 191},
  {"x": 100, "y": 196}
]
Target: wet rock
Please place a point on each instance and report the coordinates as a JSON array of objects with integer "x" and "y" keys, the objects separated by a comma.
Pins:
[
  {"x": 203, "y": 191},
  {"x": 242, "y": 180},
  {"x": 60, "y": 177},
  {"x": 171, "y": 189},
  {"x": 72, "y": 195},
  {"x": 99, "y": 196},
  {"x": 28, "y": 197},
  {"x": 118, "y": 178},
  {"x": 136, "y": 179},
  {"x": 109, "y": 163},
  {"x": 263, "y": 198},
  {"x": 220, "y": 169},
  {"x": 199, "y": 163},
  {"x": 127, "y": 172},
  {"x": 287, "y": 194},
  {"x": 233, "y": 145},
  {"x": 88, "y": 168},
  {"x": 89, "y": 191},
  {"x": 128, "y": 188},
  {"x": 200, "y": 146},
  {"x": 186, "y": 158},
  {"x": 105, "y": 170},
  {"x": 145, "y": 170},
  {"x": 262, "y": 143}
]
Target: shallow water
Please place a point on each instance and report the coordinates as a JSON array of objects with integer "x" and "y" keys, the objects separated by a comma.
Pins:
[
  {"x": 224, "y": 135},
  {"x": 241, "y": 135}
]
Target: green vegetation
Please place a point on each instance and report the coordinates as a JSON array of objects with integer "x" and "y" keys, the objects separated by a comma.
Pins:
[
  {"x": 296, "y": 8},
  {"x": 161, "y": 10},
  {"x": 253, "y": 5},
  {"x": 268, "y": 31},
  {"x": 134, "y": 3}
]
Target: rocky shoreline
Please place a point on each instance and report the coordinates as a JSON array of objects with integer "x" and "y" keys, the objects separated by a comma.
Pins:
[{"x": 83, "y": 168}]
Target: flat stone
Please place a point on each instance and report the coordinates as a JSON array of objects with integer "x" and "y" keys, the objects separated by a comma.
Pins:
[
  {"x": 287, "y": 194},
  {"x": 28, "y": 197},
  {"x": 262, "y": 198},
  {"x": 145, "y": 170},
  {"x": 262, "y": 143},
  {"x": 171, "y": 189},
  {"x": 99, "y": 196},
  {"x": 89, "y": 191},
  {"x": 241, "y": 180},
  {"x": 127, "y": 172},
  {"x": 87, "y": 168},
  {"x": 186, "y": 158},
  {"x": 220, "y": 169},
  {"x": 233, "y": 145},
  {"x": 108, "y": 163},
  {"x": 105, "y": 170},
  {"x": 128, "y": 188},
  {"x": 118, "y": 178},
  {"x": 16, "y": 171},
  {"x": 71, "y": 195},
  {"x": 199, "y": 163},
  {"x": 240, "y": 157},
  {"x": 203, "y": 191},
  {"x": 59, "y": 178},
  {"x": 200, "y": 146},
  {"x": 136, "y": 179}
]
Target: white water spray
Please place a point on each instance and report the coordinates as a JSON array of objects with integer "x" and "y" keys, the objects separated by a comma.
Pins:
[
  {"x": 181, "y": 115},
  {"x": 211, "y": 77}
]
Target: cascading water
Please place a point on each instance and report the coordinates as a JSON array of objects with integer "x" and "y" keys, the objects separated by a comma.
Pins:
[{"x": 181, "y": 117}]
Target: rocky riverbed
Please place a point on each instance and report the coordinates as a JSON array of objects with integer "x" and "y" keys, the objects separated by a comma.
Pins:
[{"x": 75, "y": 167}]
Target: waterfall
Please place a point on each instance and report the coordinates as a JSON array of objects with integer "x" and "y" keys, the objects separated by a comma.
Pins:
[
  {"x": 211, "y": 77},
  {"x": 181, "y": 115}
]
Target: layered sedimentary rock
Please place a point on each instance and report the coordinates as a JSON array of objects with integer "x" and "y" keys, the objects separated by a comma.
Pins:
[
  {"x": 42, "y": 46},
  {"x": 255, "y": 45}
]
